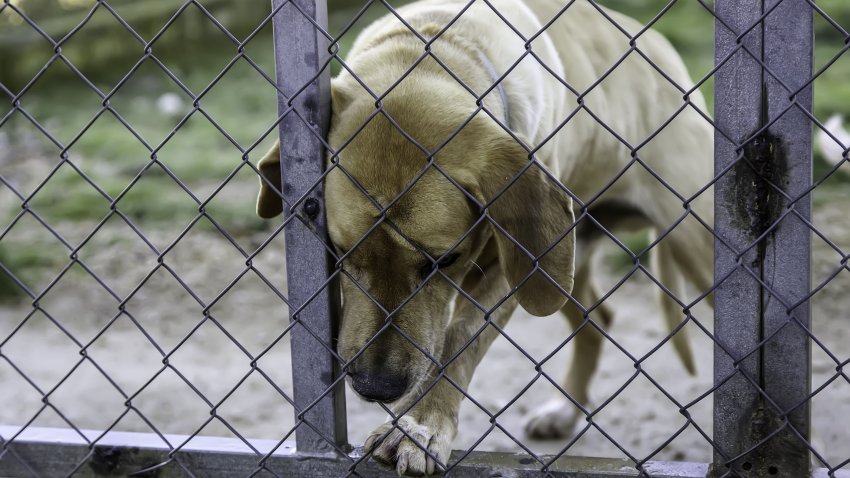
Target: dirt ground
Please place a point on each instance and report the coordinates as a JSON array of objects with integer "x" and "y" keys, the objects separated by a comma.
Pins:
[{"x": 640, "y": 418}]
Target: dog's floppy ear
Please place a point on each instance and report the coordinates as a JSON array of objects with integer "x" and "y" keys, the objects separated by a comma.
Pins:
[
  {"x": 269, "y": 202},
  {"x": 536, "y": 213}
]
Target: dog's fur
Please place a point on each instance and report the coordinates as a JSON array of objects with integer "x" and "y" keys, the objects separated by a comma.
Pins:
[
  {"x": 429, "y": 105},
  {"x": 833, "y": 144}
]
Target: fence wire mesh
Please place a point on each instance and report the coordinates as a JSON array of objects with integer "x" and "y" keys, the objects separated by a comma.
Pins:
[{"x": 150, "y": 299}]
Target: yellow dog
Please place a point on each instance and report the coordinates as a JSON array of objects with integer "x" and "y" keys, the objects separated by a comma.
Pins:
[{"x": 527, "y": 242}]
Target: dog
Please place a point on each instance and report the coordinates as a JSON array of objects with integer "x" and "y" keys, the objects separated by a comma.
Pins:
[
  {"x": 833, "y": 140},
  {"x": 446, "y": 226}
]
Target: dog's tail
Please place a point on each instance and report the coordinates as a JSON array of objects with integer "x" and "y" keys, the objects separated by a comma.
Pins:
[
  {"x": 665, "y": 266},
  {"x": 681, "y": 344},
  {"x": 680, "y": 341},
  {"x": 830, "y": 149}
]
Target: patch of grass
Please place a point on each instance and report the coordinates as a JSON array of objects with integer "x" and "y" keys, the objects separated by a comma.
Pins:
[
  {"x": 244, "y": 105},
  {"x": 27, "y": 263},
  {"x": 9, "y": 290},
  {"x": 198, "y": 153},
  {"x": 619, "y": 260}
]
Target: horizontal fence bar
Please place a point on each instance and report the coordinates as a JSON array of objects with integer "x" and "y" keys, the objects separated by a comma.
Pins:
[
  {"x": 54, "y": 452},
  {"x": 49, "y": 452}
]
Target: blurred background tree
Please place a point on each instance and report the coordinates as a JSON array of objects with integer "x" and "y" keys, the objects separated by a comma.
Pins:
[{"x": 103, "y": 44}]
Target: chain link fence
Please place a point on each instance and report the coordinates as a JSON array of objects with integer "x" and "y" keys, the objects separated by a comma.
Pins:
[{"x": 151, "y": 325}]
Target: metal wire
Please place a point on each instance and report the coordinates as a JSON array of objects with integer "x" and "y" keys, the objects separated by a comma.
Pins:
[{"x": 439, "y": 366}]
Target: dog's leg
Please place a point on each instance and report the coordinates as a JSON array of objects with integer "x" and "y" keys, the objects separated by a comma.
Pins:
[
  {"x": 431, "y": 422},
  {"x": 557, "y": 417}
]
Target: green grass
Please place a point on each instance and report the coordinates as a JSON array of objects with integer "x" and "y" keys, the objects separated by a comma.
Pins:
[
  {"x": 200, "y": 155},
  {"x": 112, "y": 155},
  {"x": 9, "y": 290},
  {"x": 619, "y": 260},
  {"x": 27, "y": 261}
]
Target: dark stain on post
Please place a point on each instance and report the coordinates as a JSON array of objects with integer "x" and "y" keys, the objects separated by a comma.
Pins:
[
  {"x": 310, "y": 106},
  {"x": 764, "y": 423},
  {"x": 105, "y": 460},
  {"x": 310, "y": 59},
  {"x": 760, "y": 176},
  {"x": 312, "y": 208},
  {"x": 121, "y": 461},
  {"x": 763, "y": 168}
]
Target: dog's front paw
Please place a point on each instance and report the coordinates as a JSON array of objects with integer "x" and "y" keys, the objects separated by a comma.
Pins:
[
  {"x": 404, "y": 445},
  {"x": 555, "y": 419}
]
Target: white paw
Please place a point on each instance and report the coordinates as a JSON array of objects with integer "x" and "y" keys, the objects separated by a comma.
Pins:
[
  {"x": 407, "y": 450},
  {"x": 555, "y": 419}
]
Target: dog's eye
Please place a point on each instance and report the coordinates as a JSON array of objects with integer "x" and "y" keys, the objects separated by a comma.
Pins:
[
  {"x": 445, "y": 261},
  {"x": 448, "y": 260}
]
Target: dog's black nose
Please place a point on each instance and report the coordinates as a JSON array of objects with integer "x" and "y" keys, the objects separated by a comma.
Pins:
[{"x": 379, "y": 387}]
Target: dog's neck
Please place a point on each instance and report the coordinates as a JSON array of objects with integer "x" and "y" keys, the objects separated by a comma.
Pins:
[{"x": 500, "y": 87}]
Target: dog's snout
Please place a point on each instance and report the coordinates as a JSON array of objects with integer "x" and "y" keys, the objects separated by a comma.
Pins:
[{"x": 379, "y": 387}]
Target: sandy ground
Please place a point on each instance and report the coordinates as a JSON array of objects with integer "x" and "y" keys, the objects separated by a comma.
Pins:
[{"x": 39, "y": 357}]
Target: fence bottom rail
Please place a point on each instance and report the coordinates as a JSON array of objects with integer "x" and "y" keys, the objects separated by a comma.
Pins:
[{"x": 48, "y": 452}]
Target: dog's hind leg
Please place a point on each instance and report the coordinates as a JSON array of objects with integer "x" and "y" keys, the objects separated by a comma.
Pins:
[{"x": 557, "y": 417}]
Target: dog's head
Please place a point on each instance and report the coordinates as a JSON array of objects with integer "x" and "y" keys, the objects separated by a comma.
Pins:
[{"x": 411, "y": 232}]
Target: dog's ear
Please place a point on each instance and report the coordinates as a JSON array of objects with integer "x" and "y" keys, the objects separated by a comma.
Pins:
[
  {"x": 537, "y": 214},
  {"x": 269, "y": 202}
]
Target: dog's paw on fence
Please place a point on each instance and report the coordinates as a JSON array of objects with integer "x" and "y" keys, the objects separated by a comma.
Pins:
[{"x": 415, "y": 446}]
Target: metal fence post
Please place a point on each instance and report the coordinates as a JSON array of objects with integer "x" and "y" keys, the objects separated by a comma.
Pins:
[
  {"x": 789, "y": 55},
  {"x": 762, "y": 254},
  {"x": 303, "y": 76},
  {"x": 737, "y": 105}
]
